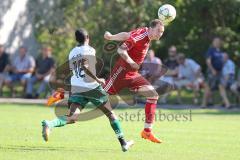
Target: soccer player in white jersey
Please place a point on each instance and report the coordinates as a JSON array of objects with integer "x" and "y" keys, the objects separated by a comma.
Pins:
[{"x": 85, "y": 87}]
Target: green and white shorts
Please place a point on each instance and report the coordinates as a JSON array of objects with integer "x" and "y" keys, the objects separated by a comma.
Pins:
[{"x": 97, "y": 96}]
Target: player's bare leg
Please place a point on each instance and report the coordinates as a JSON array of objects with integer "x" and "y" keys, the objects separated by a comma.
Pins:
[
  {"x": 71, "y": 117},
  {"x": 115, "y": 124},
  {"x": 150, "y": 93}
]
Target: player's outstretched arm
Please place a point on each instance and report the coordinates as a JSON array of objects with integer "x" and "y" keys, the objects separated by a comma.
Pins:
[
  {"x": 84, "y": 66},
  {"x": 122, "y": 36}
]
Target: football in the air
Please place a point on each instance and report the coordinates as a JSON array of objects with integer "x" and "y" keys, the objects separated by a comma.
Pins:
[{"x": 166, "y": 13}]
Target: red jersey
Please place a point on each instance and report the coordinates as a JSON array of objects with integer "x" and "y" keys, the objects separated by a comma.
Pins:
[
  {"x": 137, "y": 46},
  {"x": 123, "y": 75}
]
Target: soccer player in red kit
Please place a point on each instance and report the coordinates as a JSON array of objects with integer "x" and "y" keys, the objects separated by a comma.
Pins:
[{"x": 125, "y": 72}]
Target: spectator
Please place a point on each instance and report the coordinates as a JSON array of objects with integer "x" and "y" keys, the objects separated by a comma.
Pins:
[
  {"x": 152, "y": 70},
  {"x": 228, "y": 72},
  {"x": 235, "y": 87},
  {"x": 151, "y": 67},
  {"x": 214, "y": 61},
  {"x": 4, "y": 65},
  {"x": 172, "y": 70},
  {"x": 189, "y": 76},
  {"x": 171, "y": 62},
  {"x": 44, "y": 68},
  {"x": 22, "y": 68}
]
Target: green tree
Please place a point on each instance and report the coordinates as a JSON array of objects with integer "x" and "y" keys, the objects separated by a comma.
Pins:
[{"x": 197, "y": 22}]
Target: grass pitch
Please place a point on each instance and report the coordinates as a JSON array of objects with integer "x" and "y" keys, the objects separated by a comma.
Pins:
[{"x": 209, "y": 135}]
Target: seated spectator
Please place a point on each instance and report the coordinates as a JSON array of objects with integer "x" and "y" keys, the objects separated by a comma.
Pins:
[
  {"x": 44, "y": 67},
  {"x": 214, "y": 61},
  {"x": 189, "y": 76},
  {"x": 4, "y": 64},
  {"x": 22, "y": 68},
  {"x": 235, "y": 87},
  {"x": 171, "y": 63},
  {"x": 172, "y": 70},
  {"x": 151, "y": 67},
  {"x": 228, "y": 72}
]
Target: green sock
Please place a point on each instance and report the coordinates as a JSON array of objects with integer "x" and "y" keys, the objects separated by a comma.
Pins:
[
  {"x": 57, "y": 122},
  {"x": 117, "y": 128}
]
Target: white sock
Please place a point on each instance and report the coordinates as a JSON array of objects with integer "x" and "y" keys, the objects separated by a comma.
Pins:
[{"x": 148, "y": 125}]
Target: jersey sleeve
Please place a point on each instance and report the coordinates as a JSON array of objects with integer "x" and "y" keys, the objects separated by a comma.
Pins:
[
  {"x": 89, "y": 55},
  {"x": 128, "y": 44},
  {"x": 209, "y": 53},
  {"x": 70, "y": 60},
  {"x": 194, "y": 65},
  {"x": 231, "y": 68},
  {"x": 132, "y": 40},
  {"x": 135, "y": 36},
  {"x": 32, "y": 63}
]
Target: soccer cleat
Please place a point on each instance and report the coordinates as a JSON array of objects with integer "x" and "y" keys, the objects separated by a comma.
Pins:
[
  {"x": 127, "y": 146},
  {"x": 45, "y": 130},
  {"x": 56, "y": 96},
  {"x": 150, "y": 136}
]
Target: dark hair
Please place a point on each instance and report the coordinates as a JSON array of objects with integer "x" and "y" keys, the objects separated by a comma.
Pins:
[
  {"x": 181, "y": 56},
  {"x": 23, "y": 47},
  {"x": 155, "y": 22},
  {"x": 81, "y": 35}
]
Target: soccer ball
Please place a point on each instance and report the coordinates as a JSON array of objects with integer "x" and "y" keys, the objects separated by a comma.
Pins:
[{"x": 166, "y": 13}]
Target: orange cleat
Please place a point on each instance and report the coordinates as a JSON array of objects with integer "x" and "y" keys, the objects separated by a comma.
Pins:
[
  {"x": 149, "y": 136},
  {"x": 56, "y": 96}
]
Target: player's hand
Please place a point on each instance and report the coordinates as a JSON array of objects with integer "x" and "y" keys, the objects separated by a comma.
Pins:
[
  {"x": 135, "y": 66},
  {"x": 107, "y": 35},
  {"x": 101, "y": 81}
]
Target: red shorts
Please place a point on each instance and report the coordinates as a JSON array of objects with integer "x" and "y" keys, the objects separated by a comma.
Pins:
[{"x": 121, "y": 78}]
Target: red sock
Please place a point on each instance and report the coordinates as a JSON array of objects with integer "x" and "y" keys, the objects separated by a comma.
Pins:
[
  {"x": 150, "y": 110},
  {"x": 147, "y": 129}
]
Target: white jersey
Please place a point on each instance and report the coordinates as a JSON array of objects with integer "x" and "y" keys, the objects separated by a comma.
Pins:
[{"x": 80, "y": 82}]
